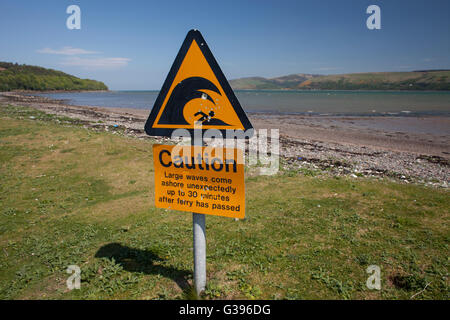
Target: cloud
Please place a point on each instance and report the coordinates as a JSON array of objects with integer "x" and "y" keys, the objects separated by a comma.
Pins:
[
  {"x": 94, "y": 62},
  {"x": 68, "y": 51},
  {"x": 98, "y": 63}
]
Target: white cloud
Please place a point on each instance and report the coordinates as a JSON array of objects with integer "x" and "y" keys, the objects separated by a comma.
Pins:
[
  {"x": 68, "y": 51},
  {"x": 98, "y": 63},
  {"x": 74, "y": 60}
]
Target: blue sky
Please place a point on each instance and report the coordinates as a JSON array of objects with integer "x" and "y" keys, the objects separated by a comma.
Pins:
[{"x": 132, "y": 44}]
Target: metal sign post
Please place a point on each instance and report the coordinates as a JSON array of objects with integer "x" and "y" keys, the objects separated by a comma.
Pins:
[{"x": 199, "y": 232}]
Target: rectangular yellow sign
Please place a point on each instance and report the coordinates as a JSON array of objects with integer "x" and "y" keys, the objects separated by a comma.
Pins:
[{"x": 200, "y": 179}]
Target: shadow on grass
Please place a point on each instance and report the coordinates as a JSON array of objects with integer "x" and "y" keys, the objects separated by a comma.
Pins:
[{"x": 137, "y": 260}]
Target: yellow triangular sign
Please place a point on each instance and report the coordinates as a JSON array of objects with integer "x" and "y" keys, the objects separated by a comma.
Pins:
[{"x": 195, "y": 91}]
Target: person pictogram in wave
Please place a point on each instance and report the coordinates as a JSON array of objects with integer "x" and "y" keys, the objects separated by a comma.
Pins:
[
  {"x": 208, "y": 119},
  {"x": 204, "y": 117}
]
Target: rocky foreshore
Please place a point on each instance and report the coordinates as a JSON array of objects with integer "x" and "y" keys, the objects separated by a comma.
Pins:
[{"x": 305, "y": 143}]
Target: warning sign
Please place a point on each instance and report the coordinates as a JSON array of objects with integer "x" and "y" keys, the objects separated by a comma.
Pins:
[
  {"x": 200, "y": 179},
  {"x": 195, "y": 91}
]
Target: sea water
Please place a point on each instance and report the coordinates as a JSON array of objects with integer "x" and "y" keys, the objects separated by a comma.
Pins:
[{"x": 323, "y": 102}]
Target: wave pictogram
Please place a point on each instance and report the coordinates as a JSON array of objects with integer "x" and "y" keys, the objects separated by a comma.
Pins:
[{"x": 184, "y": 92}]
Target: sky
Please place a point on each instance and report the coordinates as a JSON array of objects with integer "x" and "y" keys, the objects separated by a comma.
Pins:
[{"x": 131, "y": 45}]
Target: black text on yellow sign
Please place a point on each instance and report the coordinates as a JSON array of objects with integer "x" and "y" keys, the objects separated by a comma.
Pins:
[{"x": 200, "y": 179}]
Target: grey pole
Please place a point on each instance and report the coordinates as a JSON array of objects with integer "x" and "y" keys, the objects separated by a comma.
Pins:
[
  {"x": 198, "y": 221},
  {"x": 199, "y": 233}
]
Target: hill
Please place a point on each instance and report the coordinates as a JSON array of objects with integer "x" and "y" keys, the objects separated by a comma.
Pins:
[
  {"x": 26, "y": 77},
  {"x": 286, "y": 82},
  {"x": 415, "y": 80}
]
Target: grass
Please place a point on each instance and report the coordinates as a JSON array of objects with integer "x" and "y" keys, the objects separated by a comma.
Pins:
[{"x": 73, "y": 196}]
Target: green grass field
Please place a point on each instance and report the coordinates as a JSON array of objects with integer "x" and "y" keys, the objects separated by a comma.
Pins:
[{"x": 74, "y": 196}]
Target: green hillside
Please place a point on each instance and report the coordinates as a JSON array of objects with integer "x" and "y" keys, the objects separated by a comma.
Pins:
[
  {"x": 26, "y": 77},
  {"x": 286, "y": 82},
  {"x": 416, "y": 80},
  {"x": 253, "y": 83}
]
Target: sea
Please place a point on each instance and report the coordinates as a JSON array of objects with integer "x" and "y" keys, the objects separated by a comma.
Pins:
[{"x": 321, "y": 103}]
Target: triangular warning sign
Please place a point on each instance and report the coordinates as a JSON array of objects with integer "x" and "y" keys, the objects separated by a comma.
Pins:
[{"x": 195, "y": 91}]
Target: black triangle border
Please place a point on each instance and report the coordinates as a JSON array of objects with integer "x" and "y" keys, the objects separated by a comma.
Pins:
[{"x": 191, "y": 36}]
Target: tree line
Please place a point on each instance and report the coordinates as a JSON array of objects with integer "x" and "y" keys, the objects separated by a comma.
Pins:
[{"x": 15, "y": 76}]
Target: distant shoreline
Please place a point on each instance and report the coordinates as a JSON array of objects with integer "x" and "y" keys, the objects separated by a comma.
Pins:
[
  {"x": 332, "y": 90},
  {"x": 237, "y": 89},
  {"x": 51, "y": 91},
  {"x": 338, "y": 103}
]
